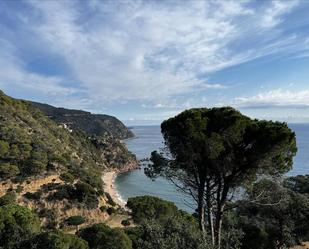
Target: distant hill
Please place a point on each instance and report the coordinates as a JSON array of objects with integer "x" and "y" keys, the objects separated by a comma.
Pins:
[{"x": 92, "y": 124}]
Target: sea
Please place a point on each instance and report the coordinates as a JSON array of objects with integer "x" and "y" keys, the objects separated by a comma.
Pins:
[{"x": 149, "y": 138}]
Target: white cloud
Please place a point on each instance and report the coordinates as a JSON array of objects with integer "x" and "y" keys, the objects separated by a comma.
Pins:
[
  {"x": 275, "y": 98},
  {"x": 273, "y": 14},
  {"x": 146, "y": 51}
]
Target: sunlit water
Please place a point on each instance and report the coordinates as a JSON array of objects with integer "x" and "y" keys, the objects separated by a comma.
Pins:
[{"x": 148, "y": 139}]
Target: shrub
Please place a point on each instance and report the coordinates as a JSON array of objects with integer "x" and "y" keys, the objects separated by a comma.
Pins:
[
  {"x": 75, "y": 220},
  {"x": 16, "y": 223},
  {"x": 103, "y": 208},
  {"x": 100, "y": 236},
  {"x": 33, "y": 196},
  {"x": 126, "y": 222},
  {"x": 67, "y": 177},
  {"x": 19, "y": 189},
  {"x": 8, "y": 170},
  {"x": 110, "y": 200},
  {"x": 8, "y": 198},
  {"x": 110, "y": 210},
  {"x": 149, "y": 207},
  {"x": 55, "y": 240}
]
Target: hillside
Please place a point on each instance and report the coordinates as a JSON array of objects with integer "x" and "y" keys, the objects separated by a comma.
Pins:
[
  {"x": 48, "y": 167},
  {"x": 93, "y": 124}
]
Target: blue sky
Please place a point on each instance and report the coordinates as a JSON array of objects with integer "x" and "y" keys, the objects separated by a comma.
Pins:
[{"x": 144, "y": 61}]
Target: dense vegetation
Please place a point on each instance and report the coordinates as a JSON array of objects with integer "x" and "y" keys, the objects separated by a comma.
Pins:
[
  {"x": 34, "y": 147},
  {"x": 30, "y": 144},
  {"x": 277, "y": 218},
  {"x": 93, "y": 124}
]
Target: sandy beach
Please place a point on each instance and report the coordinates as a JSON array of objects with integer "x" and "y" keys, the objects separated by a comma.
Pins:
[{"x": 108, "y": 179}]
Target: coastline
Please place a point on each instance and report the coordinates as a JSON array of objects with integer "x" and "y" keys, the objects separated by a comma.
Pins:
[{"x": 109, "y": 180}]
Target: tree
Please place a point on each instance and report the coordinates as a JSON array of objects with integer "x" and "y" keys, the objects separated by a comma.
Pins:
[
  {"x": 150, "y": 207},
  {"x": 8, "y": 170},
  {"x": 211, "y": 152},
  {"x": 100, "y": 236},
  {"x": 75, "y": 220},
  {"x": 55, "y": 240},
  {"x": 4, "y": 149},
  {"x": 8, "y": 198},
  {"x": 170, "y": 233},
  {"x": 274, "y": 215},
  {"x": 16, "y": 224},
  {"x": 299, "y": 184}
]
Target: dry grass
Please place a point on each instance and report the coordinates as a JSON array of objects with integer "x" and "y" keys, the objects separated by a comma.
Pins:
[
  {"x": 305, "y": 245},
  {"x": 63, "y": 209}
]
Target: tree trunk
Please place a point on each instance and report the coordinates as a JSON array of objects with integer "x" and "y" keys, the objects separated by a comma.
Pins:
[
  {"x": 222, "y": 193},
  {"x": 209, "y": 211},
  {"x": 218, "y": 228},
  {"x": 201, "y": 209}
]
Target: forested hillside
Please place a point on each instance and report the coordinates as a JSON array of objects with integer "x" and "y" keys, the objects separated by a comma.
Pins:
[
  {"x": 93, "y": 124},
  {"x": 50, "y": 167}
]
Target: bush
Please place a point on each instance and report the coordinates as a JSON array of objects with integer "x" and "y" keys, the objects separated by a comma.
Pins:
[
  {"x": 100, "y": 236},
  {"x": 110, "y": 200},
  {"x": 55, "y": 240},
  {"x": 103, "y": 208},
  {"x": 80, "y": 192},
  {"x": 8, "y": 170},
  {"x": 170, "y": 233},
  {"x": 33, "y": 196},
  {"x": 67, "y": 177},
  {"x": 126, "y": 222},
  {"x": 16, "y": 224},
  {"x": 8, "y": 198},
  {"x": 75, "y": 220},
  {"x": 149, "y": 207},
  {"x": 110, "y": 210},
  {"x": 19, "y": 189}
]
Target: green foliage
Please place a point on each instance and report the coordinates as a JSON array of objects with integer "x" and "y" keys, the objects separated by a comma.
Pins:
[
  {"x": 110, "y": 210},
  {"x": 55, "y": 240},
  {"x": 100, "y": 236},
  {"x": 149, "y": 207},
  {"x": 80, "y": 192},
  {"x": 168, "y": 234},
  {"x": 299, "y": 184},
  {"x": 92, "y": 124},
  {"x": 218, "y": 150},
  {"x": 8, "y": 198},
  {"x": 4, "y": 148},
  {"x": 67, "y": 177},
  {"x": 16, "y": 224},
  {"x": 126, "y": 222},
  {"x": 19, "y": 189},
  {"x": 274, "y": 215},
  {"x": 8, "y": 170},
  {"x": 103, "y": 208},
  {"x": 33, "y": 196},
  {"x": 75, "y": 220},
  {"x": 31, "y": 143}
]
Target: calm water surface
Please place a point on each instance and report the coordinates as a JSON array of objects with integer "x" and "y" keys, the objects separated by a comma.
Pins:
[{"x": 148, "y": 139}]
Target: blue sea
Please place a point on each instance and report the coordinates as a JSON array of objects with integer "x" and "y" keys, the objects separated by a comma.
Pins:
[{"x": 149, "y": 138}]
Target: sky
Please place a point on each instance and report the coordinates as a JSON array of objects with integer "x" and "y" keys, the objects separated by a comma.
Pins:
[{"x": 146, "y": 61}]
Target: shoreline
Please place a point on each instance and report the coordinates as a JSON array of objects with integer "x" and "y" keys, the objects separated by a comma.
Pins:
[{"x": 109, "y": 180}]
